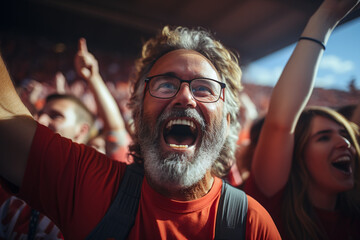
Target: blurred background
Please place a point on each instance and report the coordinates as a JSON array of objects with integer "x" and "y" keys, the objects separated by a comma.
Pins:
[{"x": 38, "y": 39}]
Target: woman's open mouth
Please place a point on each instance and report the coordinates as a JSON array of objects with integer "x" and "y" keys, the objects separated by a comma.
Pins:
[{"x": 343, "y": 164}]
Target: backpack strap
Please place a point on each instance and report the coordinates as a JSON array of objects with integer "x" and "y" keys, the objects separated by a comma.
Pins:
[
  {"x": 230, "y": 219},
  {"x": 120, "y": 217},
  {"x": 231, "y": 214}
]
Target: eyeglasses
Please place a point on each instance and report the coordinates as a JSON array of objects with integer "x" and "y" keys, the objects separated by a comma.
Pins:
[{"x": 203, "y": 89}]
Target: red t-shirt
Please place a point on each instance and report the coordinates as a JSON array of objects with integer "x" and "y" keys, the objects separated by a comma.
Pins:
[
  {"x": 336, "y": 225},
  {"x": 75, "y": 185}
]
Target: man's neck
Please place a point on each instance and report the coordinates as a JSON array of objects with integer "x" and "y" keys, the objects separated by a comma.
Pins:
[{"x": 196, "y": 191}]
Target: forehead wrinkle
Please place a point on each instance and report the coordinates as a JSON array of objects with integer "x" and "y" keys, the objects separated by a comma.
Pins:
[{"x": 187, "y": 65}]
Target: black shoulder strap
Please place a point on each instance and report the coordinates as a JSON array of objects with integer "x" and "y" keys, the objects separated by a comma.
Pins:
[
  {"x": 230, "y": 220},
  {"x": 119, "y": 219},
  {"x": 231, "y": 214}
]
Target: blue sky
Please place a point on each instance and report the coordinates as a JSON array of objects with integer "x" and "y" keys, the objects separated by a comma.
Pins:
[{"x": 340, "y": 62}]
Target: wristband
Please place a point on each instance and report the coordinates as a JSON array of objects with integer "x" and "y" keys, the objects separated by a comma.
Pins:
[{"x": 313, "y": 40}]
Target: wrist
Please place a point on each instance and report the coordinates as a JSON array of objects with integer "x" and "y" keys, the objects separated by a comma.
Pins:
[
  {"x": 95, "y": 77},
  {"x": 320, "y": 26}
]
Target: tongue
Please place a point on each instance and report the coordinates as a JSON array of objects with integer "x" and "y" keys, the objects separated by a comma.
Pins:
[{"x": 179, "y": 140}]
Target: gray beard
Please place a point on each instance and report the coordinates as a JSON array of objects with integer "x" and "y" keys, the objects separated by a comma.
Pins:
[{"x": 180, "y": 170}]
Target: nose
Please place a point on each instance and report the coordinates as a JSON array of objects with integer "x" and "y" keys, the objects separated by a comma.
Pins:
[
  {"x": 184, "y": 97},
  {"x": 343, "y": 142},
  {"x": 44, "y": 119}
]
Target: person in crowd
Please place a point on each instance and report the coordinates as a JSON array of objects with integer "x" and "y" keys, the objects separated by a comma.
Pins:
[
  {"x": 248, "y": 113},
  {"x": 346, "y": 110},
  {"x": 305, "y": 169},
  {"x": 68, "y": 116},
  {"x": 355, "y": 116},
  {"x": 245, "y": 152},
  {"x": 351, "y": 112},
  {"x": 185, "y": 105},
  {"x": 114, "y": 139}
]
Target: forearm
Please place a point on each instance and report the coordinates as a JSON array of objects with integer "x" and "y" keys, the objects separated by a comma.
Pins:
[
  {"x": 106, "y": 104},
  {"x": 296, "y": 82},
  {"x": 17, "y": 129},
  {"x": 10, "y": 103}
]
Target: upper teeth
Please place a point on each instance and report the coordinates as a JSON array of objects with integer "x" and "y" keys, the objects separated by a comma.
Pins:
[
  {"x": 180, "y": 122},
  {"x": 343, "y": 159}
]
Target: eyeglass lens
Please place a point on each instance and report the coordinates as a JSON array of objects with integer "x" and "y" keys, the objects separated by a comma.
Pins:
[{"x": 204, "y": 90}]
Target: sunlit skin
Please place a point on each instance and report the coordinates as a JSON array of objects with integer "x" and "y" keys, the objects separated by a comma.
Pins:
[
  {"x": 327, "y": 143},
  {"x": 98, "y": 143},
  {"x": 60, "y": 116},
  {"x": 185, "y": 64}
]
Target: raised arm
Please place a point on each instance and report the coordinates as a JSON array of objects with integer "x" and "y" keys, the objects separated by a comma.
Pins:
[
  {"x": 17, "y": 128},
  {"x": 273, "y": 155},
  {"x": 87, "y": 67}
]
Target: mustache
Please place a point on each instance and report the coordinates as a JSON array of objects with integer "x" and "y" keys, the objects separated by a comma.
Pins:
[
  {"x": 181, "y": 113},
  {"x": 148, "y": 136}
]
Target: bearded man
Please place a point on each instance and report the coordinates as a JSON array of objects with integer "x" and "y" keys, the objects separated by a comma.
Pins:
[{"x": 185, "y": 105}]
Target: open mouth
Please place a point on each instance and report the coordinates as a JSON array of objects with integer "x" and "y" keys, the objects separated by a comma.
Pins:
[
  {"x": 343, "y": 164},
  {"x": 180, "y": 133}
]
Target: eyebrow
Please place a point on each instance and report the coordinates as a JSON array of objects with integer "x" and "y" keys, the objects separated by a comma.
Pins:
[
  {"x": 321, "y": 132},
  {"x": 327, "y": 131}
]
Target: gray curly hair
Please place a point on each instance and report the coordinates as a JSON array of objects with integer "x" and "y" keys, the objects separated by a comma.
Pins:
[{"x": 225, "y": 62}]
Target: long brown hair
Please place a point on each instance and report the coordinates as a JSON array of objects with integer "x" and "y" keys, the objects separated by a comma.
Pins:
[{"x": 298, "y": 215}]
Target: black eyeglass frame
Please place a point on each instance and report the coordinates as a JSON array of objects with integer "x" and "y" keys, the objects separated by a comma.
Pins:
[{"x": 222, "y": 85}]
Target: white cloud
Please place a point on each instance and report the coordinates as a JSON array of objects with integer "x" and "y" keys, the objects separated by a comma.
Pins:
[
  {"x": 328, "y": 77},
  {"x": 335, "y": 64},
  {"x": 331, "y": 81},
  {"x": 260, "y": 75}
]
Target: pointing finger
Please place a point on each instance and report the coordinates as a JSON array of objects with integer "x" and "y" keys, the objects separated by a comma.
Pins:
[{"x": 82, "y": 45}]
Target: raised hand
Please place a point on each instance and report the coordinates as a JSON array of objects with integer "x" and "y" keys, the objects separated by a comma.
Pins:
[
  {"x": 86, "y": 65},
  {"x": 60, "y": 83},
  {"x": 338, "y": 9}
]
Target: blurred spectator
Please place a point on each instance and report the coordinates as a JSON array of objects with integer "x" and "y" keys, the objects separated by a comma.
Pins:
[
  {"x": 68, "y": 116},
  {"x": 245, "y": 151},
  {"x": 247, "y": 114},
  {"x": 115, "y": 136}
]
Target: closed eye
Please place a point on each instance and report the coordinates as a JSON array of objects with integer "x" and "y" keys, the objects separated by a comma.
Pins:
[{"x": 55, "y": 115}]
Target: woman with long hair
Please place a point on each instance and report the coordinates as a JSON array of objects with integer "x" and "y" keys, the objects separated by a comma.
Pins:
[{"x": 305, "y": 169}]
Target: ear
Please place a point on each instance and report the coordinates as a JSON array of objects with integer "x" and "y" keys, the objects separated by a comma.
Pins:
[{"x": 83, "y": 130}]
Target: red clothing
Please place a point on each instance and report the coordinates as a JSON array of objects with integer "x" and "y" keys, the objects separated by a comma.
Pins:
[
  {"x": 121, "y": 154},
  {"x": 117, "y": 148},
  {"x": 81, "y": 184},
  {"x": 336, "y": 225},
  {"x": 15, "y": 218},
  {"x": 233, "y": 177}
]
